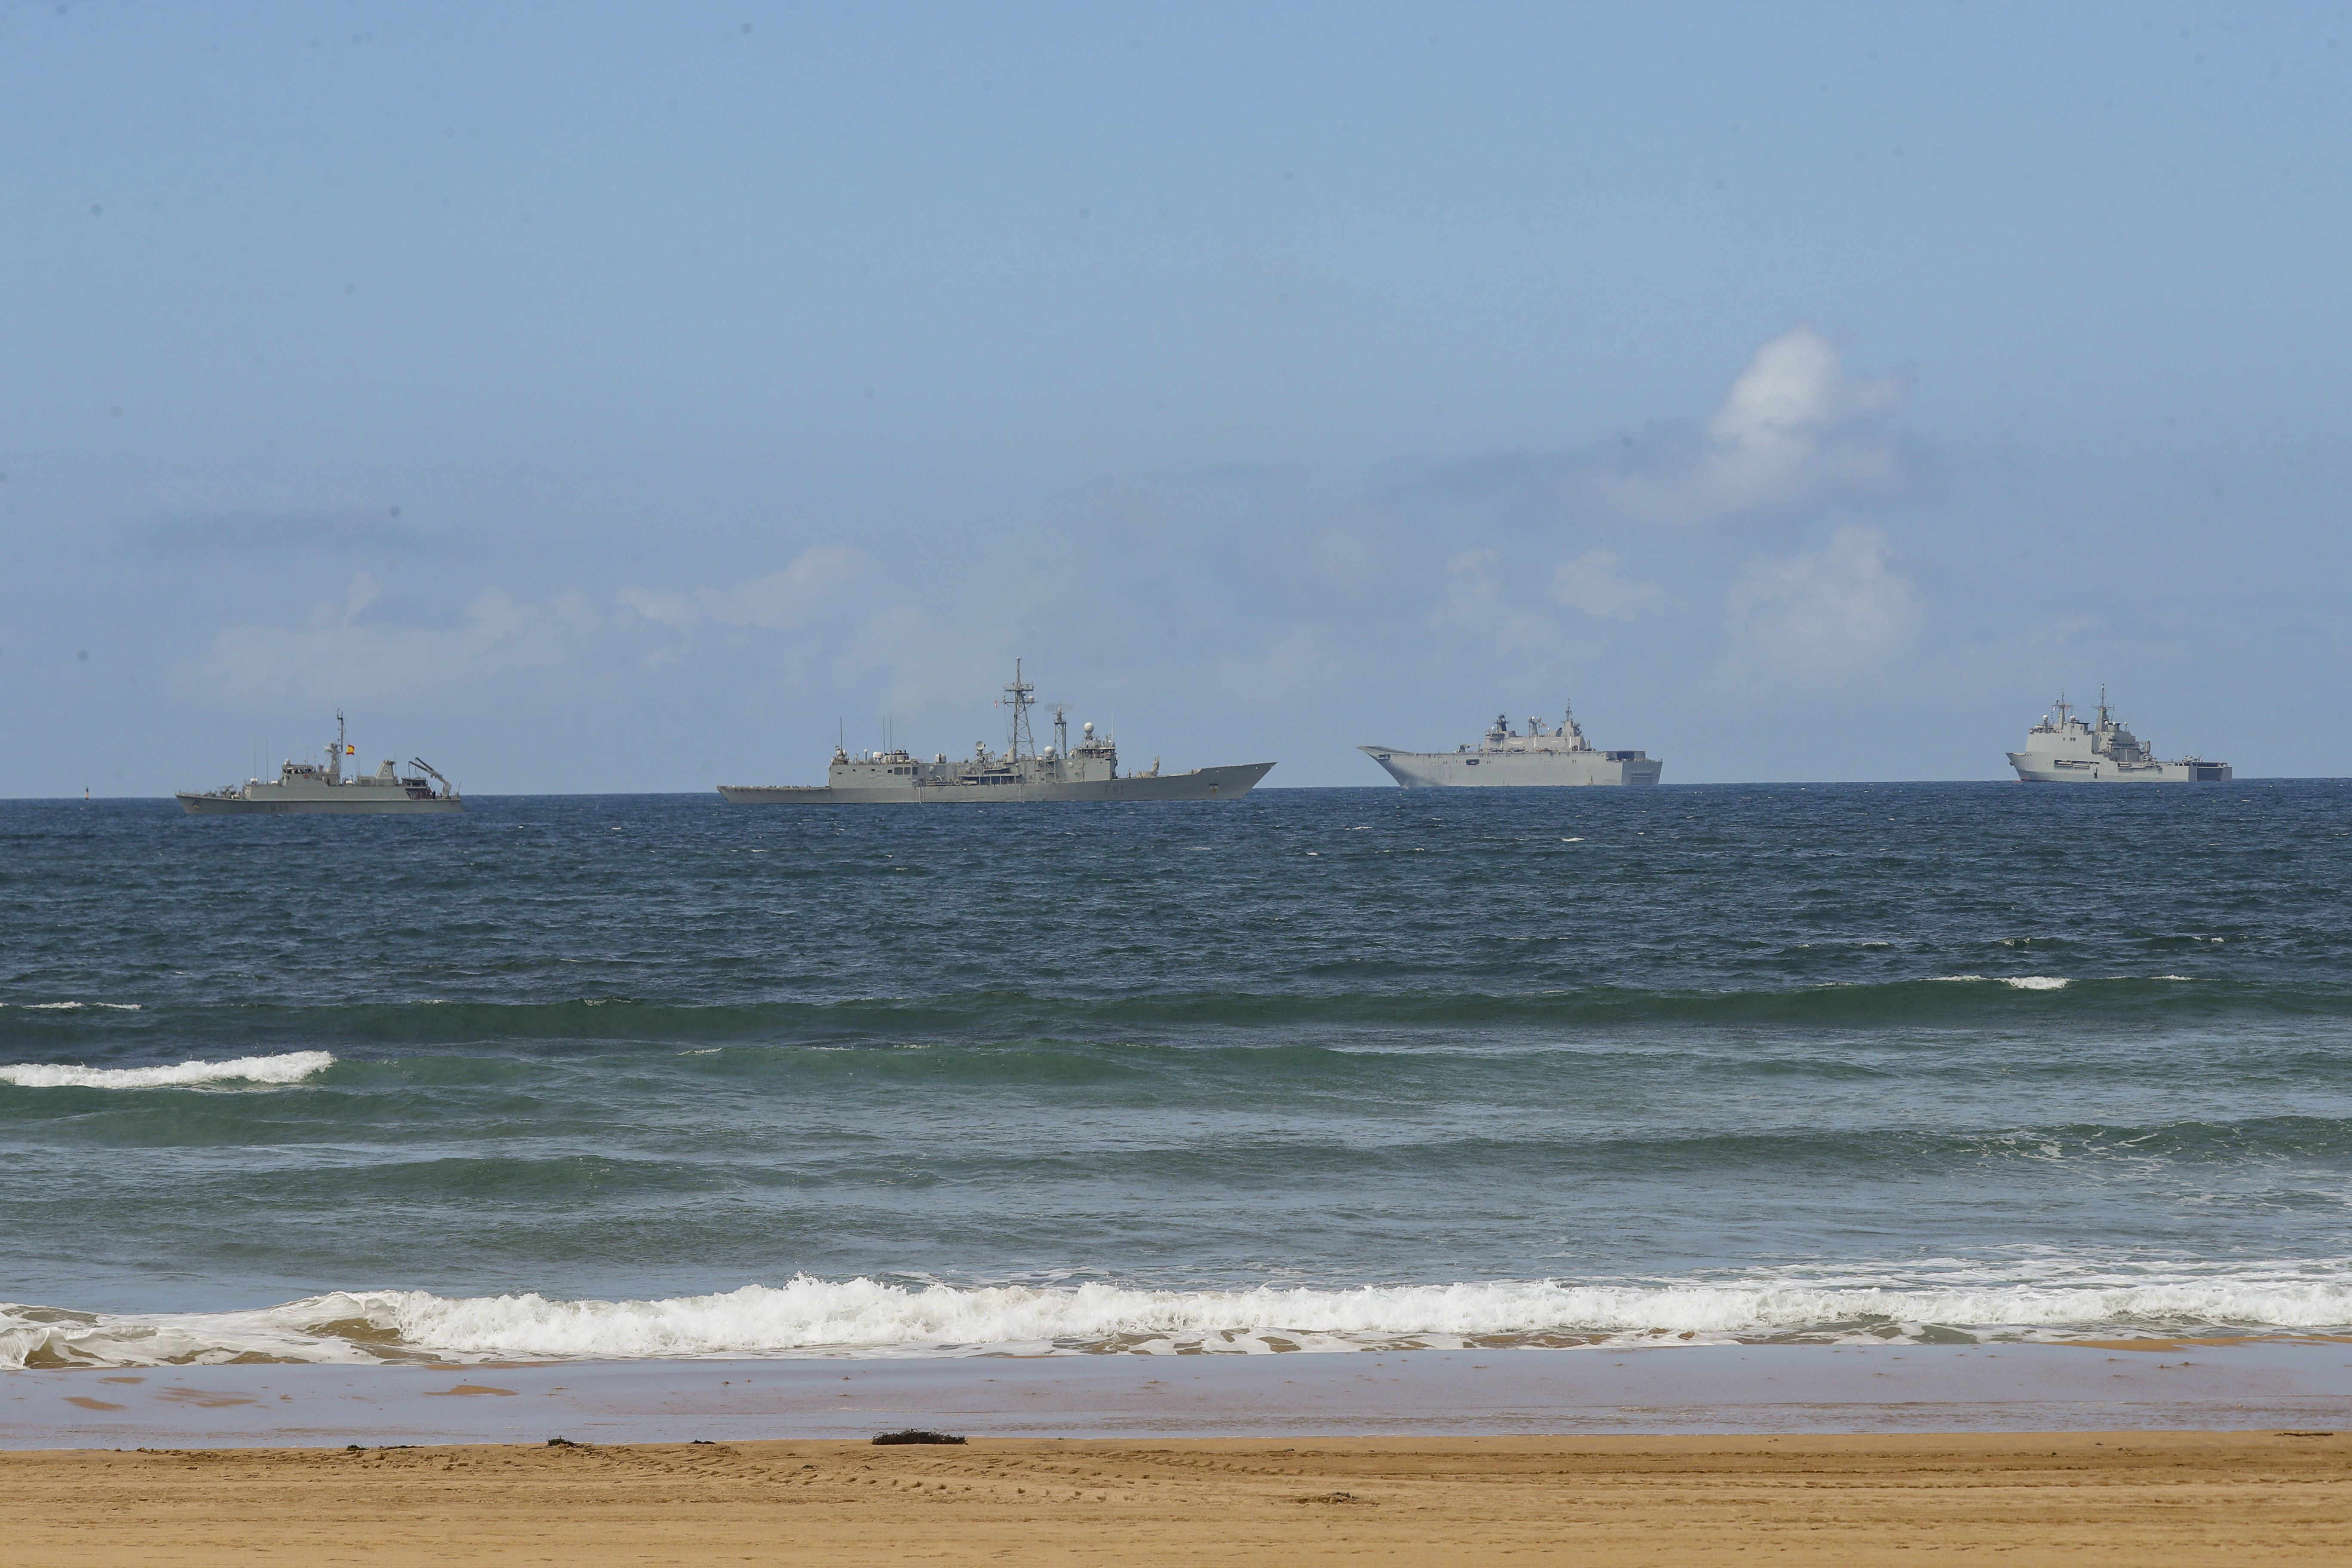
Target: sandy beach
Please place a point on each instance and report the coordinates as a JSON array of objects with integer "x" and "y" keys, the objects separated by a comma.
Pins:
[
  {"x": 2115, "y": 1497},
  {"x": 2165, "y": 1452}
]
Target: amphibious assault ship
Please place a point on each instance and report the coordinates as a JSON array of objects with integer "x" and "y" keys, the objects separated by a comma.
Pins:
[
  {"x": 307, "y": 786},
  {"x": 1086, "y": 771},
  {"x": 2064, "y": 749},
  {"x": 1541, "y": 756}
]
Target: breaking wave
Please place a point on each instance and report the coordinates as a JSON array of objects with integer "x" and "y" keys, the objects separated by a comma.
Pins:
[
  {"x": 78, "y": 1006},
  {"x": 867, "y": 1318},
  {"x": 292, "y": 1067}
]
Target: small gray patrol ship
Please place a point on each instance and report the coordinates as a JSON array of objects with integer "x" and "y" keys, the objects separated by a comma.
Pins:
[
  {"x": 307, "y": 786},
  {"x": 1086, "y": 771},
  {"x": 1540, "y": 757},
  {"x": 2064, "y": 749}
]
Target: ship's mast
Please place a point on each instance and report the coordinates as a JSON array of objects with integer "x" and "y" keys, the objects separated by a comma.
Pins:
[
  {"x": 335, "y": 759},
  {"x": 1021, "y": 695}
]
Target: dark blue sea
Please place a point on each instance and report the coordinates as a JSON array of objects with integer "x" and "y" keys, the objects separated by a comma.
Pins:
[{"x": 654, "y": 1076}]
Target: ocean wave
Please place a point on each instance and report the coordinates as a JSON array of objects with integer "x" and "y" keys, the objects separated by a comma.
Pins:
[
  {"x": 292, "y": 1067},
  {"x": 862, "y": 1317},
  {"x": 78, "y": 1006},
  {"x": 1961, "y": 997}
]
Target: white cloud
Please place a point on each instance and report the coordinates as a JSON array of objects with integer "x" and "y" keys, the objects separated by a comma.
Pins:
[
  {"x": 781, "y": 601},
  {"x": 1486, "y": 594},
  {"x": 835, "y": 629},
  {"x": 1795, "y": 429},
  {"x": 336, "y": 656},
  {"x": 811, "y": 622},
  {"x": 362, "y": 591},
  {"x": 1591, "y": 584},
  {"x": 1843, "y": 612},
  {"x": 932, "y": 660}
]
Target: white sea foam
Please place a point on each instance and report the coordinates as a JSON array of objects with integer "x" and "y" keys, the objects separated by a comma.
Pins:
[
  {"x": 2014, "y": 982},
  {"x": 78, "y": 1006},
  {"x": 869, "y": 1317},
  {"x": 293, "y": 1066}
]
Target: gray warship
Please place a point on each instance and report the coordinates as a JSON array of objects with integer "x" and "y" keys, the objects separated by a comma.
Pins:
[
  {"x": 1086, "y": 771},
  {"x": 2065, "y": 748},
  {"x": 307, "y": 786},
  {"x": 1504, "y": 757}
]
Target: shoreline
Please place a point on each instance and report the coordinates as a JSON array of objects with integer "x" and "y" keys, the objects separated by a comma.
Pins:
[{"x": 2154, "y": 1384}]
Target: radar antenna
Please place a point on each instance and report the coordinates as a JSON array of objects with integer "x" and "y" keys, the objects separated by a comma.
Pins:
[{"x": 1021, "y": 696}]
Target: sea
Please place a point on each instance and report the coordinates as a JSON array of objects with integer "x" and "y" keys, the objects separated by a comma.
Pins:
[{"x": 1316, "y": 1070}]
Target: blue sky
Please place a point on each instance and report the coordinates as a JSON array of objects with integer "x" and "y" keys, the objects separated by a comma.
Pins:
[{"x": 594, "y": 398}]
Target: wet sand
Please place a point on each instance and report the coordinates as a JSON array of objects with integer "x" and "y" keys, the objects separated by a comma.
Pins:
[
  {"x": 2135, "y": 1385},
  {"x": 2074, "y": 1498}
]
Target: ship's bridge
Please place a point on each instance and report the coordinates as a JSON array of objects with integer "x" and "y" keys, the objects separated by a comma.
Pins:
[{"x": 1568, "y": 737}]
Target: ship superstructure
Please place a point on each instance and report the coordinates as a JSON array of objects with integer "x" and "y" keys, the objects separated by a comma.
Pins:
[
  {"x": 2064, "y": 748},
  {"x": 1506, "y": 757},
  {"x": 1086, "y": 770},
  {"x": 309, "y": 786}
]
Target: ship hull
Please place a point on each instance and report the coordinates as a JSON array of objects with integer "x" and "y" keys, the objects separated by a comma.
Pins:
[
  {"x": 1201, "y": 783},
  {"x": 246, "y": 805},
  {"x": 2033, "y": 769},
  {"x": 1511, "y": 770}
]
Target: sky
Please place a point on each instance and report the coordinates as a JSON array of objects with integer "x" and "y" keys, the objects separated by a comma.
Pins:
[{"x": 597, "y": 398}]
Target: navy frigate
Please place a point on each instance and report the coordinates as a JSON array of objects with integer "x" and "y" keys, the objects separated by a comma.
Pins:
[
  {"x": 1085, "y": 769},
  {"x": 309, "y": 786},
  {"x": 2064, "y": 748},
  {"x": 1540, "y": 757}
]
